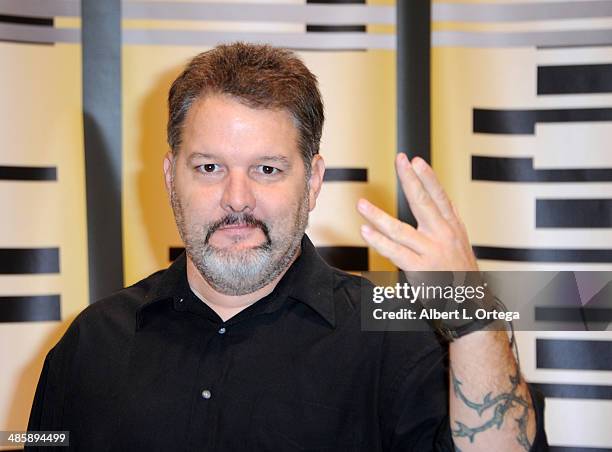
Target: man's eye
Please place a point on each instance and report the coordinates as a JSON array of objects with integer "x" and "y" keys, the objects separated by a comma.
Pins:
[
  {"x": 268, "y": 170},
  {"x": 208, "y": 168}
]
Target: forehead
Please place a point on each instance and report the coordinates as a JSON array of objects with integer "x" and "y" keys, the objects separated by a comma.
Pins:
[{"x": 221, "y": 124}]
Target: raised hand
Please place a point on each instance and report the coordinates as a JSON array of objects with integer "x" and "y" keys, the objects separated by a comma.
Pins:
[{"x": 440, "y": 240}]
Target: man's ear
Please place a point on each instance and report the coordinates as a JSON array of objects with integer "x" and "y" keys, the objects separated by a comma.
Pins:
[
  {"x": 168, "y": 170},
  {"x": 317, "y": 171}
]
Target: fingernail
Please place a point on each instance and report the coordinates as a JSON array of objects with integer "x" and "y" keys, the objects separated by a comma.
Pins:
[
  {"x": 403, "y": 159},
  {"x": 419, "y": 165},
  {"x": 362, "y": 205},
  {"x": 365, "y": 229}
]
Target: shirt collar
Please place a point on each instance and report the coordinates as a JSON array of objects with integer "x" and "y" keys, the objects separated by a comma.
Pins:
[{"x": 309, "y": 280}]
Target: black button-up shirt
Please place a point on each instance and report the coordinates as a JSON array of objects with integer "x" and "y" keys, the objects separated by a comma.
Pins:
[{"x": 152, "y": 368}]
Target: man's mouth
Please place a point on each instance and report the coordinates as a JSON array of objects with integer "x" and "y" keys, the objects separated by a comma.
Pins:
[
  {"x": 239, "y": 235},
  {"x": 238, "y": 226},
  {"x": 244, "y": 229}
]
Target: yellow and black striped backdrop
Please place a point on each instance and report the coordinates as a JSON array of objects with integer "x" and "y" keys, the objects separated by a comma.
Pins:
[{"x": 510, "y": 100}]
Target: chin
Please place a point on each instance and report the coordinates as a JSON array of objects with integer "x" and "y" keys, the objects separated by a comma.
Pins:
[
  {"x": 239, "y": 247},
  {"x": 238, "y": 242}
]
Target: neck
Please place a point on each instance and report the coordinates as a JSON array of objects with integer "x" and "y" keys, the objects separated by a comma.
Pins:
[{"x": 227, "y": 306}]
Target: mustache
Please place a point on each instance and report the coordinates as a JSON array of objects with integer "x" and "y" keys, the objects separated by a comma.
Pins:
[{"x": 239, "y": 218}]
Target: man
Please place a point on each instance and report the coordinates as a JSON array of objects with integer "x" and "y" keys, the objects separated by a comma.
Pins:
[{"x": 249, "y": 341}]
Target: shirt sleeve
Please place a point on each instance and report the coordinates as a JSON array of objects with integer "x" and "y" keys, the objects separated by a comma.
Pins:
[
  {"x": 37, "y": 406},
  {"x": 414, "y": 413},
  {"x": 413, "y": 406},
  {"x": 49, "y": 398}
]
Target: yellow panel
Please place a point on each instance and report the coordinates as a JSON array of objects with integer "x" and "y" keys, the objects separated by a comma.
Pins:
[
  {"x": 40, "y": 125},
  {"x": 358, "y": 89},
  {"x": 67, "y": 22},
  {"x": 23, "y": 351}
]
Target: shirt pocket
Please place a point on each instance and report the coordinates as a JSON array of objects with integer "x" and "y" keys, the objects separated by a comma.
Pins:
[{"x": 300, "y": 425}]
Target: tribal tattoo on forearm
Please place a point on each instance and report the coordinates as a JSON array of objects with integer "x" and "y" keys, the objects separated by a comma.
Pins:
[{"x": 500, "y": 403}]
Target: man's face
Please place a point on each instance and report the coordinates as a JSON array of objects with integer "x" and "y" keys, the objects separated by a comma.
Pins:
[{"x": 239, "y": 192}]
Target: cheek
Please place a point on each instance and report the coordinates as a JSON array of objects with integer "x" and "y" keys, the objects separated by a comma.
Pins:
[
  {"x": 280, "y": 205},
  {"x": 199, "y": 206}
]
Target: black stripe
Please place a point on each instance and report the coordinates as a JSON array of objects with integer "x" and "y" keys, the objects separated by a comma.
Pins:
[
  {"x": 38, "y": 308},
  {"x": 38, "y": 43},
  {"x": 543, "y": 254},
  {"x": 522, "y": 122},
  {"x": 28, "y": 173},
  {"x": 26, "y": 20},
  {"x": 336, "y": 28},
  {"x": 577, "y": 449},
  {"x": 578, "y": 79},
  {"x": 573, "y": 213},
  {"x": 346, "y": 175},
  {"x": 18, "y": 261},
  {"x": 101, "y": 55},
  {"x": 413, "y": 82},
  {"x": 573, "y": 354},
  {"x": 349, "y": 258},
  {"x": 570, "y": 391},
  {"x": 508, "y": 169},
  {"x": 356, "y": 28},
  {"x": 573, "y": 314}
]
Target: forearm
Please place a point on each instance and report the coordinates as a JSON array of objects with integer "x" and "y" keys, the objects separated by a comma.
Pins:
[{"x": 490, "y": 405}]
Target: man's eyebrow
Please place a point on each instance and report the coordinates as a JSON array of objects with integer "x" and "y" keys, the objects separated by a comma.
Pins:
[
  {"x": 200, "y": 155},
  {"x": 275, "y": 159},
  {"x": 263, "y": 159}
]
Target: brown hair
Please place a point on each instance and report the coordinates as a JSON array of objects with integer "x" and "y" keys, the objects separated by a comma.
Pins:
[{"x": 260, "y": 76}]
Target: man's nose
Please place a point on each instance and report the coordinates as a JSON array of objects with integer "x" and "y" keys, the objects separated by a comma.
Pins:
[{"x": 238, "y": 195}]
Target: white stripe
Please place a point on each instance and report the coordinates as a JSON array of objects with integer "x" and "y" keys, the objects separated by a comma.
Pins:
[
  {"x": 261, "y": 12},
  {"x": 33, "y": 33},
  {"x": 318, "y": 41},
  {"x": 489, "y": 12},
  {"x": 522, "y": 39},
  {"x": 215, "y": 11},
  {"x": 579, "y": 423},
  {"x": 41, "y": 8}
]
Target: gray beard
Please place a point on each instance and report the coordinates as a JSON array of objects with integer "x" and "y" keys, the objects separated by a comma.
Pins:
[
  {"x": 240, "y": 273},
  {"x": 244, "y": 271}
]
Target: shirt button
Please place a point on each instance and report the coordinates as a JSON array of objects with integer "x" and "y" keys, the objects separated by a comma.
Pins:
[
  {"x": 222, "y": 330},
  {"x": 206, "y": 394},
  {"x": 180, "y": 300}
]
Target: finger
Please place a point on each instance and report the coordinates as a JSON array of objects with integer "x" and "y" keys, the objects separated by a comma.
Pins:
[
  {"x": 434, "y": 188},
  {"x": 424, "y": 209},
  {"x": 394, "y": 229},
  {"x": 401, "y": 256}
]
